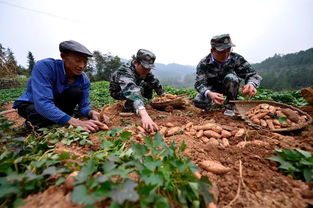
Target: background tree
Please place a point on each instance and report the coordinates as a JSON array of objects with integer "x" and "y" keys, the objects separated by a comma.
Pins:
[
  {"x": 30, "y": 62},
  {"x": 104, "y": 65}
]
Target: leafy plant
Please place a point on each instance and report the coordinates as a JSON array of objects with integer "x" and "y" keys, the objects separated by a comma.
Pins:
[{"x": 297, "y": 162}]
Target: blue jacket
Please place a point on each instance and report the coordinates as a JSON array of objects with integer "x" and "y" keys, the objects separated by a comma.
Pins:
[{"x": 48, "y": 79}]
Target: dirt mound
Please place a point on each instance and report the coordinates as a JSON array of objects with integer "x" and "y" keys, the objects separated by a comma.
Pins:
[{"x": 253, "y": 181}]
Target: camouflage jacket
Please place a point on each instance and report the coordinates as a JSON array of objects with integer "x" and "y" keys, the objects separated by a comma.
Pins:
[
  {"x": 210, "y": 74},
  {"x": 126, "y": 82}
]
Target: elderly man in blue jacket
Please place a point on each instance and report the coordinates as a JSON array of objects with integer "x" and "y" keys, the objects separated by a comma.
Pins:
[{"x": 56, "y": 87}]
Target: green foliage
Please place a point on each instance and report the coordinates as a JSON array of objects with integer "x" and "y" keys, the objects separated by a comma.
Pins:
[
  {"x": 100, "y": 95},
  {"x": 297, "y": 162},
  {"x": 288, "y": 97},
  {"x": 161, "y": 175},
  {"x": 287, "y": 72}
]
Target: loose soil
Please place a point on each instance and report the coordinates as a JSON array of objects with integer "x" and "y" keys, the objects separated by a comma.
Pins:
[{"x": 259, "y": 185}]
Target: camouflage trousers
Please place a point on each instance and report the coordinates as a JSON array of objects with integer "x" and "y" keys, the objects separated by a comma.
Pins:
[
  {"x": 229, "y": 87},
  {"x": 146, "y": 90}
]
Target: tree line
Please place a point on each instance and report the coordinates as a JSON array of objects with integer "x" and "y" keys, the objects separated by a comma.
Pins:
[{"x": 99, "y": 67}]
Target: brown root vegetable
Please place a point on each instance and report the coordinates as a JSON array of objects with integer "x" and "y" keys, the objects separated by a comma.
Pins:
[
  {"x": 240, "y": 133},
  {"x": 255, "y": 142},
  {"x": 126, "y": 114},
  {"x": 163, "y": 130},
  {"x": 263, "y": 123},
  {"x": 205, "y": 140},
  {"x": 276, "y": 122},
  {"x": 272, "y": 109},
  {"x": 173, "y": 131},
  {"x": 104, "y": 127},
  {"x": 140, "y": 129},
  {"x": 169, "y": 125},
  {"x": 213, "y": 141},
  {"x": 188, "y": 125},
  {"x": 260, "y": 115},
  {"x": 68, "y": 183},
  {"x": 210, "y": 133},
  {"x": 270, "y": 123},
  {"x": 292, "y": 115},
  {"x": 170, "y": 96},
  {"x": 199, "y": 134},
  {"x": 280, "y": 114},
  {"x": 197, "y": 174},
  {"x": 217, "y": 129},
  {"x": 256, "y": 121},
  {"x": 214, "y": 167},
  {"x": 226, "y": 134},
  {"x": 264, "y": 106},
  {"x": 207, "y": 126},
  {"x": 225, "y": 142}
]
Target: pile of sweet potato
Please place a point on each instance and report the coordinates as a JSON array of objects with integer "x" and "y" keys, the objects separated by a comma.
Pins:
[
  {"x": 210, "y": 132},
  {"x": 273, "y": 117},
  {"x": 166, "y": 97}
]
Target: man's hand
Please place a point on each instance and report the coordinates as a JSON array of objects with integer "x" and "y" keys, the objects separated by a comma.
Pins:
[
  {"x": 147, "y": 122},
  {"x": 248, "y": 90},
  {"x": 91, "y": 126},
  {"x": 96, "y": 116},
  {"x": 216, "y": 97}
]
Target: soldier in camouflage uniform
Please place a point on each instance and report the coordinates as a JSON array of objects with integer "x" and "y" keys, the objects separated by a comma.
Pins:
[
  {"x": 134, "y": 83},
  {"x": 219, "y": 74}
]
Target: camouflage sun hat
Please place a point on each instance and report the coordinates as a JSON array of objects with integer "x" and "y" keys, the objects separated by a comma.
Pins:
[
  {"x": 146, "y": 58},
  {"x": 221, "y": 42}
]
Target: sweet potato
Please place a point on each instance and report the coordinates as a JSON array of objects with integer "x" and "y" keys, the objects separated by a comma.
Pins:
[
  {"x": 240, "y": 133},
  {"x": 188, "y": 125},
  {"x": 140, "y": 129},
  {"x": 255, "y": 142},
  {"x": 199, "y": 134},
  {"x": 163, "y": 130},
  {"x": 212, "y": 141},
  {"x": 207, "y": 126},
  {"x": 104, "y": 127},
  {"x": 256, "y": 121},
  {"x": 214, "y": 167},
  {"x": 276, "y": 122},
  {"x": 260, "y": 115},
  {"x": 68, "y": 183},
  {"x": 264, "y": 106},
  {"x": 226, "y": 134},
  {"x": 263, "y": 123},
  {"x": 292, "y": 115},
  {"x": 272, "y": 109},
  {"x": 169, "y": 125},
  {"x": 217, "y": 129},
  {"x": 204, "y": 139},
  {"x": 270, "y": 123},
  {"x": 173, "y": 131},
  {"x": 210, "y": 133},
  {"x": 225, "y": 142}
]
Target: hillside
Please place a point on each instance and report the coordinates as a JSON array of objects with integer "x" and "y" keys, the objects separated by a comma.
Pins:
[{"x": 280, "y": 72}]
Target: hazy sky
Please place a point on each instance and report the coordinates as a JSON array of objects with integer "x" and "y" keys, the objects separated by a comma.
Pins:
[{"x": 177, "y": 31}]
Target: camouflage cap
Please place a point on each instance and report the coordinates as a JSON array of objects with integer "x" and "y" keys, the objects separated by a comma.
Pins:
[
  {"x": 74, "y": 46},
  {"x": 146, "y": 58},
  {"x": 221, "y": 42}
]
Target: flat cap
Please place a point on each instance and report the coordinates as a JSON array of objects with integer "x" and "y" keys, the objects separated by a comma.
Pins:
[
  {"x": 221, "y": 42},
  {"x": 74, "y": 46},
  {"x": 146, "y": 58}
]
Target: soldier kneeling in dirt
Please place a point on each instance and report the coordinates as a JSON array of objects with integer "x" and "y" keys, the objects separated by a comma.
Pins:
[
  {"x": 56, "y": 87},
  {"x": 134, "y": 82},
  {"x": 220, "y": 73}
]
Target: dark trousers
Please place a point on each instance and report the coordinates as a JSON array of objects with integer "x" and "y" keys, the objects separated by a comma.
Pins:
[{"x": 66, "y": 101}]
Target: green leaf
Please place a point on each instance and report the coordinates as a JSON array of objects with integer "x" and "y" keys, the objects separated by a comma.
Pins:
[
  {"x": 150, "y": 164},
  {"x": 282, "y": 119},
  {"x": 304, "y": 153},
  {"x": 86, "y": 171},
  {"x": 182, "y": 146},
  {"x": 307, "y": 174},
  {"x": 153, "y": 179},
  {"x": 81, "y": 196},
  {"x": 125, "y": 192},
  {"x": 18, "y": 202},
  {"x": 139, "y": 150}
]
